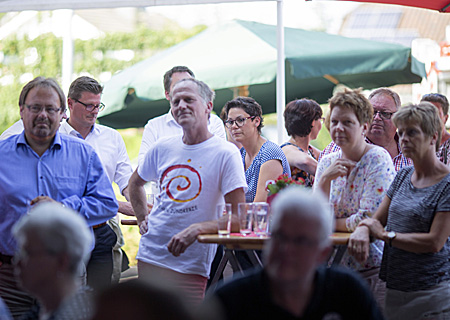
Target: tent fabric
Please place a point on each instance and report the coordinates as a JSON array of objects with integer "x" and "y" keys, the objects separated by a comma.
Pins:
[
  {"x": 42, "y": 5},
  {"x": 242, "y": 53}
]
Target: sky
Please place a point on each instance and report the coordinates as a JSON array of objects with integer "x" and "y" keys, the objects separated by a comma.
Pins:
[{"x": 323, "y": 15}]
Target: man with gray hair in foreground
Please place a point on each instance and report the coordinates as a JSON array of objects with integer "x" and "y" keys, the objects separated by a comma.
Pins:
[
  {"x": 53, "y": 241},
  {"x": 294, "y": 283}
]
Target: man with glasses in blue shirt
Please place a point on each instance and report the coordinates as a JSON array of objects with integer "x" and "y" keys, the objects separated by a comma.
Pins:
[
  {"x": 40, "y": 164},
  {"x": 84, "y": 101}
]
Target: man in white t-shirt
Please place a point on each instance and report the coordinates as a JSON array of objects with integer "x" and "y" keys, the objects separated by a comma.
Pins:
[
  {"x": 165, "y": 125},
  {"x": 197, "y": 171}
]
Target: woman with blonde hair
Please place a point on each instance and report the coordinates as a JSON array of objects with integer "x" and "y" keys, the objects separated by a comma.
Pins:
[{"x": 356, "y": 178}]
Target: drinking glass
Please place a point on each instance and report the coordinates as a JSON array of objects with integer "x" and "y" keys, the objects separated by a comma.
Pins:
[
  {"x": 150, "y": 198},
  {"x": 261, "y": 218},
  {"x": 245, "y": 217},
  {"x": 223, "y": 213}
]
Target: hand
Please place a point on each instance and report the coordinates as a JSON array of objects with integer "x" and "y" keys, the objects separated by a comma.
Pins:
[
  {"x": 339, "y": 168},
  {"x": 375, "y": 227},
  {"x": 41, "y": 199},
  {"x": 358, "y": 244},
  {"x": 182, "y": 240},
  {"x": 143, "y": 225}
]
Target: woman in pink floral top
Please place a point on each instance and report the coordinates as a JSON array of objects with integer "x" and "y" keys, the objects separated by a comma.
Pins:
[{"x": 355, "y": 178}]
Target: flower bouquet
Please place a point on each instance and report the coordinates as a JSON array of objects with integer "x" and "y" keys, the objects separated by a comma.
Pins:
[{"x": 283, "y": 181}]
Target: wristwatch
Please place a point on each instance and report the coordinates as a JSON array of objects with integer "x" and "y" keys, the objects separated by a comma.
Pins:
[{"x": 391, "y": 236}]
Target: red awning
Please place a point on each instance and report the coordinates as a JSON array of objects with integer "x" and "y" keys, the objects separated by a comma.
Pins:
[{"x": 439, "y": 5}]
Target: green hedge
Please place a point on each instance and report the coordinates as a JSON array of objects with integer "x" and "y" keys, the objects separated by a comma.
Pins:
[{"x": 42, "y": 56}]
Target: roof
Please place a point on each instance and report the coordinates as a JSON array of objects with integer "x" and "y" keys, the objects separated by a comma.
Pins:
[{"x": 395, "y": 24}]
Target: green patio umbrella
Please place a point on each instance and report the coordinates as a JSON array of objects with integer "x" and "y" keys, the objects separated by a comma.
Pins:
[{"x": 242, "y": 54}]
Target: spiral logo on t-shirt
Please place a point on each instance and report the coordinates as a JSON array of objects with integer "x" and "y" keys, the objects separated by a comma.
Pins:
[{"x": 184, "y": 183}]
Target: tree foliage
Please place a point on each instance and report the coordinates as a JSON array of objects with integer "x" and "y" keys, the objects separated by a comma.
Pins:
[{"x": 24, "y": 59}]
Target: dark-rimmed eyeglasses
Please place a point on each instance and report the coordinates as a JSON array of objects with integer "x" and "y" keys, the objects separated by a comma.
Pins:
[
  {"x": 383, "y": 114},
  {"x": 91, "y": 107},
  {"x": 239, "y": 122},
  {"x": 38, "y": 109}
]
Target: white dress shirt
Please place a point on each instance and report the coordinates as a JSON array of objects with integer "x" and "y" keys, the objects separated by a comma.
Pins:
[
  {"x": 110, "y": 147},
  {"x": 16, "y": 128}
]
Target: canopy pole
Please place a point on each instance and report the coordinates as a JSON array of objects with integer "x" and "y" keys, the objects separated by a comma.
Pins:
[
  {"x": 67, "y": 54},
  {"x": 281, "y": 81}
]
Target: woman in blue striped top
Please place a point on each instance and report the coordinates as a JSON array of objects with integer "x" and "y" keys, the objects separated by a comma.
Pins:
[{"x": 263, "y": 160}]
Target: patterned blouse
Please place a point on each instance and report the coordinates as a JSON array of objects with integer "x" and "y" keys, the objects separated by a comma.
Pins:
[
  {"x": 358, "y": 196},
  {"x": 444, "y": 152},
  {"x": 268, "y": 151},
  {"x": 296, "y": 172},
  {"x": 400, "y": 161}
]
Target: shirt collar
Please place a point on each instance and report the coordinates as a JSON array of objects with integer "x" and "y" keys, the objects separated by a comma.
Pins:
[
  {"x": 396, "y": 138},
  {"x": 56, "y": 140},
  {"x": 170, "y": 117},
  {"x": 71, "y": 131}
]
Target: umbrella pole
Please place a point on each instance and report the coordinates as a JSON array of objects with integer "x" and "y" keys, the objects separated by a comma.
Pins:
[
  {"x": 67, "y": 54},
  {"x": 281, "y": 85}
]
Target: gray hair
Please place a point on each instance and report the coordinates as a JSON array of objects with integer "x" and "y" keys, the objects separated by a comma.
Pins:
[
  {"x": 203, "y": 89},
  {"x": 387, "y": 92},
  {"x": 61, "y": 230},
  {"x": 425, "y": 115},
  {"x": 305, "y": 204}
]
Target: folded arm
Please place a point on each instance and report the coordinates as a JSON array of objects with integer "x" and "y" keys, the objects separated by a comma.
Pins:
[{"x": 300, "y": 160}]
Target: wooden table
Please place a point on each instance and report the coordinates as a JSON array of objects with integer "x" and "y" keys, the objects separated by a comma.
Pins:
[
  {"x": 237, "y": 241},
  {"x": 129, "y": 222},
  {"x": 250, "y": 243}
]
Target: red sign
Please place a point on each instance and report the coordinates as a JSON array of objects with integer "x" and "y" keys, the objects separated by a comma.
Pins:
[{"x": 445, "y": 49}]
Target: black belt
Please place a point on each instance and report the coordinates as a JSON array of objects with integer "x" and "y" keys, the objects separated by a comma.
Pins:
[
  {"x": 99, "y": 225},
  {"x": 5, "y": 259}
]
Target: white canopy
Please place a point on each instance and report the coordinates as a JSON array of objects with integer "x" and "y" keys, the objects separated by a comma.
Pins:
[{"x": 41, "y": 5}]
